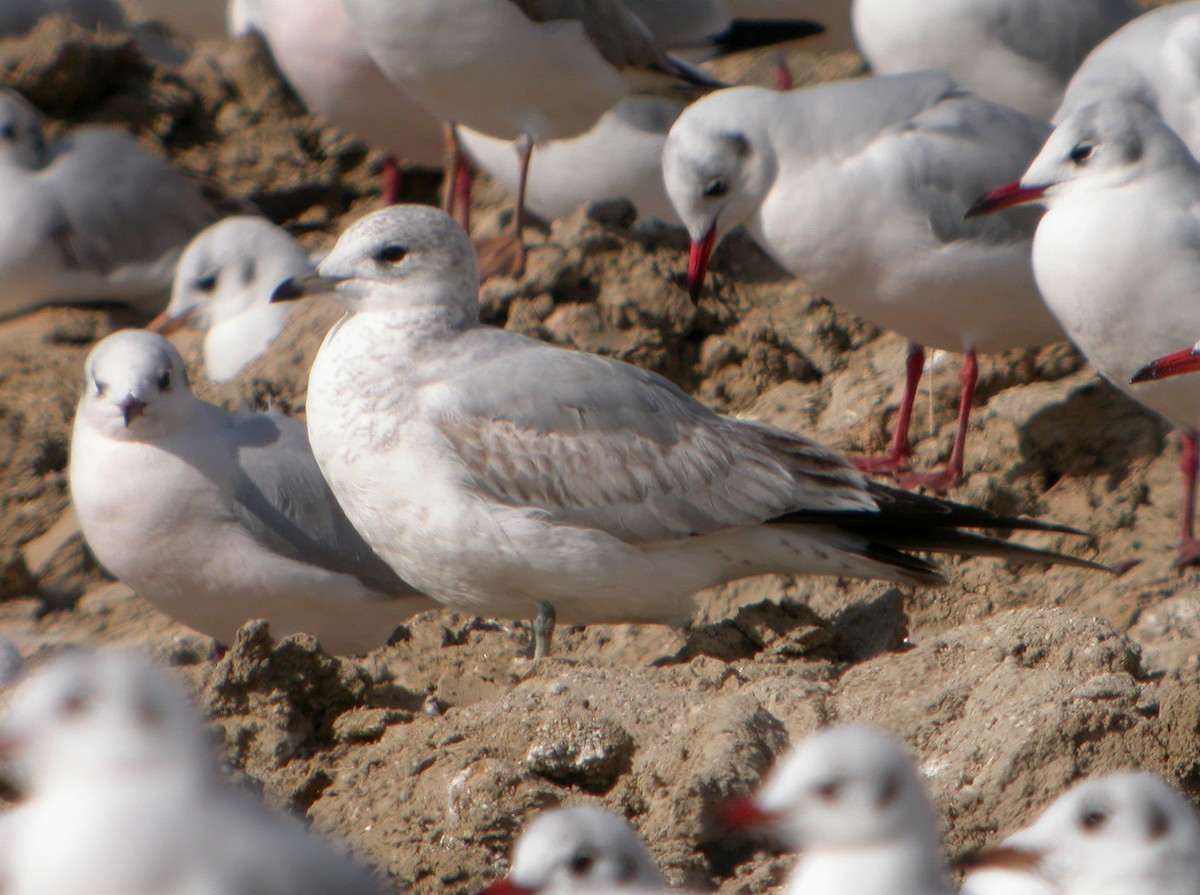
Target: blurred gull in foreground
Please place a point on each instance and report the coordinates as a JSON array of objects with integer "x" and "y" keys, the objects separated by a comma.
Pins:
[
  {"x": 860, "y": 188},
  {"x": 1115, "y": 256},
  {"x": 219, "y": 518},
  {"x": 123, "y": 796},
  {"x": 93, "y": 218},
  {"x": 504, "y": 476}
]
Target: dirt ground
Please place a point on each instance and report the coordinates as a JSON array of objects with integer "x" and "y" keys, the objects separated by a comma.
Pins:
[{"x": 429, "y": 754}]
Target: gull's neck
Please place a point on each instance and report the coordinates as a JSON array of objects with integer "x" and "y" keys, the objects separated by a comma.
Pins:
[{"x": 892, "y": 868}]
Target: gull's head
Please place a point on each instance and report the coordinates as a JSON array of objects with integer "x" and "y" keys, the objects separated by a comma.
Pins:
[
  {"x": 843, "y": 789},
  {"x": 401, "y": 259},
  {"x": 717, "y": 170},
  {"x": 574, "y": 850},
  {"x": 88, "y": 717},
  {"x": 1106, "y": 145},
  {"x": 229, "y": 269},
  {"x": 135, "y": 387},
  {"x": 22, "y": 142},
  {"x": 1125, "y": 833}
]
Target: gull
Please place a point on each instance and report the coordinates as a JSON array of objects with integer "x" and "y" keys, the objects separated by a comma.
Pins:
[
  {"x": 569, "y": 851},
  {"x": 92, "y": 218},
  {"x": 860, "y": 187},
  {"x": 851, "y": 802},
  {"x": 219, "y": 518},
  {"x": 1115, "y": 256},
  {"x": 123, "y": 796},
  {"x": 502, "y": 475},
  {"x": 1152, "y": 60},
  {"x": 322, "y": 58},
  {"x": 1123, "y": 834},
  {"x": 525, "y": 70},
  {"x": 223, "y": 285},
  {"x": 1020, "y": 53}
]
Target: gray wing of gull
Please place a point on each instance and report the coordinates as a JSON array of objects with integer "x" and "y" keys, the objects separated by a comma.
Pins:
[
  {"x": 282, "y": 500},
  {"x": 1059, "y": 34},
  {"x": 679, "y": 23},
  {"x": 616, "y": 32},
  {"x": 120, "y": 204},
  {"x": 598, "y": 443}
]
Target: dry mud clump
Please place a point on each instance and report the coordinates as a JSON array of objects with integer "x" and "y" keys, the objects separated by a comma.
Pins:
[{"x": 429, "y": 754}]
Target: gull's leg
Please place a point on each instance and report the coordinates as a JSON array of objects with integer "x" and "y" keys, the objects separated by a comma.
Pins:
[
  {"x": 505, "y": 255},
  {"x": 392, "y": 178},
  {"x": 900, "y": 449},
  {"x": 1189, "y": 460},
  {"x": 543, "y": 630},
  {"x": 953, "y": 473},
  {"x": 454, "y": 164},
  {"x": 783, "y": 74}
]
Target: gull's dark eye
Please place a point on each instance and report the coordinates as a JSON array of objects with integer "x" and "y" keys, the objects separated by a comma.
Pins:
[
  {"x": 1093, "y": 819},
  {"x": 73, "y": 705},
  {"x": 207, "y": 284},
  {"x": 1082, "y": 152},
  {"x": 829, "y": 791},
  {"x": 391, "y": 254},
  {"x": 164, "y": 381},
  {"x": 1160, "y": 824},
  {"x": 9, "y": 132},
  {"x": 581, "y": 864},
  {"x": 715, "y": 188}
]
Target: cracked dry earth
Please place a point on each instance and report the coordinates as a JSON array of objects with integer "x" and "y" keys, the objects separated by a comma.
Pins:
[{"x": 429, "y": 754}]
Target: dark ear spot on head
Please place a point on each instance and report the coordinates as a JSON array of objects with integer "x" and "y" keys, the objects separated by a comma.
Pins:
[
  {"x": 626, "y": 869},
  {"x": 739, "y": 144},
  {"x": 1134, "y": 150},
  {"x": 890, "y": 791},
  {"x": 249, "y": 271},
  {"x": 149, "y": 713},
  {"x": 1160, "y": 824}
]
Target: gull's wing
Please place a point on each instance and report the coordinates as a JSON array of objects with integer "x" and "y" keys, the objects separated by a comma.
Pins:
[
  {"x": 282, "y": 500},
  {"x": 1058, "y": 35},
  {"x": 121, "y": 205},
  {"x": 607, "y": 445}
]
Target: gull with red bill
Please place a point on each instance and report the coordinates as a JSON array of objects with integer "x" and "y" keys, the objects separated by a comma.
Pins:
[
  {"x": 569, "y": 851},
  {"x": 1124, "y": 834},
  {"x": 851, "y": 802},
  {"x": 860, "y": 188},
  {"x": 1115, "y": 258}
]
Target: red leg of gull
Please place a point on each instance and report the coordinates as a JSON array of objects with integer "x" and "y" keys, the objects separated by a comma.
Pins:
[
  {"x": 783, "y": 74},
  {"x": 454, "y": 164},
  {"x": 900, "y": 449},
  {"x": 462, "y": 195},
  {"x": 953, "y": 473},
  {"x": 1189, "y": 460},
  {"x": 392, "y": 178},
  {"x": 505, "y": 255}
]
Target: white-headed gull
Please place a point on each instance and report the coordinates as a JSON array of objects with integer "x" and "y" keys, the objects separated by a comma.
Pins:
[
  {"x": 860, "y": 188},
  {"x": 122, "y": 795},
  {"x": 219, "y": 518},
  {"x": 1020, "y": 53},
  {"x": 1123, "y": 834},
  {"x": 1115, "y": 255},
  {"x": 500, "y": 474},
  {"x": 851, "y": 802},
  {"x": 93, "y": 218},
  {"x": 223, "y": 285},
  {"x": 1152, "y": 60},
  {"x": 573, "y": 851}
]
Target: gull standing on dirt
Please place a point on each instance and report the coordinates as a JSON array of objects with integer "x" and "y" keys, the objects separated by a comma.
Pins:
[
  {"x": 219, "y": 518},
  {"x": 860, "y": 188},
  {"x": 122, "y": 796},
  {"x": 223, "y": 285},
  {"x": 93, "y": 218},
  {"x": 571, "y": 851},
  {"x": 1152, "y": 60},
  {"x": 501, "y": 475},
  {"x": 1123, "y": 834},
  {"x": 1020, "y": 53},
  {"x": 851, "y": 802},
  {"x": 1115, "y": 256}
]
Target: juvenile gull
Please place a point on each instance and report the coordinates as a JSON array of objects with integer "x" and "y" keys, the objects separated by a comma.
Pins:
[
  {"x": 571, "y": 851},
  {"x": 1115, "y": 256},
  {"x": 860, "y": 188},
  {"x": 219, "y": 518},
  {"x": 93, "y": 218},
  {"x": 851, "y": 802},
  {"x": 1020, "y": 53},
  {"x": 501, "y": 475},
  {"x": 122, "y": 796},
  {"x": 223, "y": 285},
  {"x": 1123, "y": 834}
]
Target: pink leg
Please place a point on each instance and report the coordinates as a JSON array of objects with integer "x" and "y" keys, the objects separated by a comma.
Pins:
[
  {"x": 953, "y": 473},
  {"x": 783, "y": 74},
  {"x": 454, "y": 164},
  {"x": 900, "y": 449},
  {"x": 392, "y": 178},
  {"x": 462, "y": 195},
  {"x": 505, "y": 255},
  {"x": 1189, "y": 460}
]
